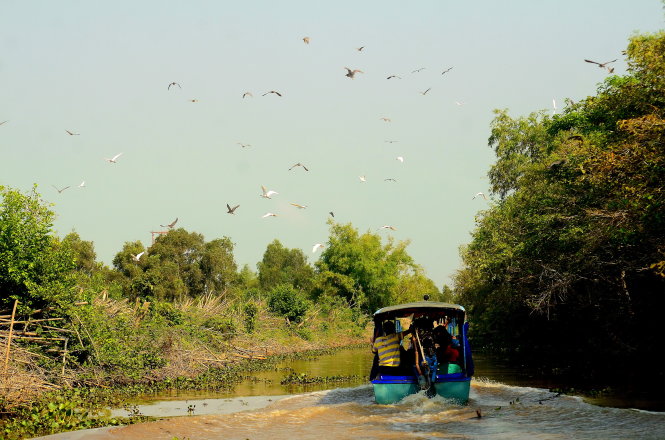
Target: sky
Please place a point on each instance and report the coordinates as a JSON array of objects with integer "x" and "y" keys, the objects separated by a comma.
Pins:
[{"x": 102, "y": 70}]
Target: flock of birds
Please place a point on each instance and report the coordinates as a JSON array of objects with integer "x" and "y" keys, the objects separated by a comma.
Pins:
[{"x": 269, "y": 193}]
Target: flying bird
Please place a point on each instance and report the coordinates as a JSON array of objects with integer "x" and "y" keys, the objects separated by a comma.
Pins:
[
  {"x": 362, "y": 178},
  {"x": 383, "y": 118},
  {"x": 306, "y": 40},
  {"x": 460, "y": 103},
  {"x": 390, "y": 179},
  {"x": 267, "y": 194},
  {"x": 268, "y": 214},
  {"x": 391, "y": 142},
  {"x": 332, "y": 214},
  {"x": 553, "y": 106},
  {"x": 425, "y": 92},
  {"x": 82, "y": 184},
  {"x": 114, "y": 159},
  {"x": 394, "y": 76},
  {"x": 392, "y": 228},
  {"x": 137, "y": 257},
  {"x": 244, "y": 145},
  {"x": 602, "y": 65},
  {"x": 479, "y": 194},
  {"x": 400, "y": 158},
  {"x": 298, "y": 165},
  {"x": 60, "y": 190},
  {"x": 173, "y": 84},
  {"x": 170, "y": 225},
  {"x": 193, "y": 100},
  {"x": 351, "y": 73},
  {"x": 299, "y": 206},
  {"x": 418, "y": 70},
  {"x": 247, "y": 94},
  {"x": 3, "y": 122},
  {"x": 272, "y": 91},
  {"x": 231, "y": 210},
  {"x": 316, "y": 247},
  {"x": 72, "y": 134},
  {"x": 447, "y": 70},
  {"x": 359, "y": 49}
]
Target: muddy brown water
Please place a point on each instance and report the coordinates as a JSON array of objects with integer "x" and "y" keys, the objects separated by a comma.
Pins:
[{"x": 512, "y": 405}]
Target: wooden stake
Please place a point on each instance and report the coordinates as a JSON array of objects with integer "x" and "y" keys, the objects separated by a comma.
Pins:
[{"x": 9, "y": 339}]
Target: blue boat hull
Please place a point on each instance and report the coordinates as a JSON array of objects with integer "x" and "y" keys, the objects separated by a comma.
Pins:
[{"x": 392, "y": 389}]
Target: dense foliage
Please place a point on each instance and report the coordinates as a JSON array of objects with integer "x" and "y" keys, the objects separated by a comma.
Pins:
[
  {"x": 35, "y": 267},
  {"x": 568, "y": 261}
]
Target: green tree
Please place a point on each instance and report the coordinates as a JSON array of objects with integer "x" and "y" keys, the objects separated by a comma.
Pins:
[
  {"x": 281, "y": 265},
  {"x": 179, "y": 264},
  {"x": 35, "y": 267},
  {"x": 575, "y": 239},
  {"x": 83, "y": 251},
  {"x": 360, "y": 268}
]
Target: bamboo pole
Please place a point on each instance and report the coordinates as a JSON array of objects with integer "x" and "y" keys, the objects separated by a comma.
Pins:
[
  {"x": 64, "y": 357},
  {"x": 9, "y": 338},
  {"x": 33, "y": 320}
]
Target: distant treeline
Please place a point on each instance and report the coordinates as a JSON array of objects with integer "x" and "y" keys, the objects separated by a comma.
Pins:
[{"x": 568, "y": 263}]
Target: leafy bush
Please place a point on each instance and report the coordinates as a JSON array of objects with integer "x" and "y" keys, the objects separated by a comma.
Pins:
[
  {"x": 168, "y": 311},
  {"x": 250, "y": 311},
  {"x": 222, "y": 325},
  {"x": 286, "y": 301}
]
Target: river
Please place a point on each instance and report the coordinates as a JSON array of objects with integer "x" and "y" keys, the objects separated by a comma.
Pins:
[{"x": 511, "y": 406}]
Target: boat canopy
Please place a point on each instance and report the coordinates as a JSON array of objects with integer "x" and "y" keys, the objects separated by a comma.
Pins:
[{"x": 419, "y": 306}]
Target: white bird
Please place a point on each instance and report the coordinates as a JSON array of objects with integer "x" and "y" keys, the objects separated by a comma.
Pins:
[
  {"x": 247, "y": 94},
  {"x": 244, "y": 145},
  {"x": 400, "y": 158},
  {"x": 553, "y": 106},
  {"x": 299, "y": 206},
  {"x": 362, "y": 178},
  {"x": 316, "y": 247},
  {"x": 82, "y": 184},
  {"x": 269, "y": 214},
  {"x": 266, "y": 194},
  {"x": 114, "y": 158},
  {"x": 459, "y": 103},
  {"x": 384, "y": 119},
  {"x": 392, "y": 228},
  {"x": 479, "y": 194},
  {"x": 72, "y": 133},
  {"x": 137, "y": 257}
]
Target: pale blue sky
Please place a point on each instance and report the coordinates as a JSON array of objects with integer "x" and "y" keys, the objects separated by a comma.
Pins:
[{"x": 102, "y": 69}]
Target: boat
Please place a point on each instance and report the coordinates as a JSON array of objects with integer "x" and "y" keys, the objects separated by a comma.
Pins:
[{"x": 452, "y": 379}]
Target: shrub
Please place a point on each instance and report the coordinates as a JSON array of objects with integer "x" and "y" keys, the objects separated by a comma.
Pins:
[{"x": 286, "y": 301}]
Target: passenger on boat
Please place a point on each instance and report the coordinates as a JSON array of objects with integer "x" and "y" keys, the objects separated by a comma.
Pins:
[
  {"x": 445, "y": 350},
  {"x": 387, "y": 348}
]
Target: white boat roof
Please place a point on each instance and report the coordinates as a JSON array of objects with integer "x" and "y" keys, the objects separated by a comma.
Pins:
[{"x": 419, "y": 305}]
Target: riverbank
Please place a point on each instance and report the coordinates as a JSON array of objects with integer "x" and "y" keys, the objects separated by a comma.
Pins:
[{"x": 39, "y": 396}]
